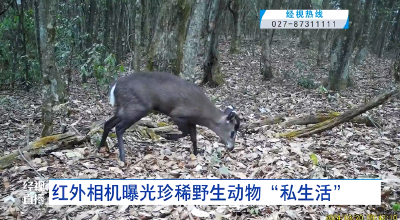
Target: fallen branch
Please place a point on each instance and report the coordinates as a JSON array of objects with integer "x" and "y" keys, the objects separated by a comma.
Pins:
[
  {"x": 144, "y": 128},
  {"x": 22, "y": 155},
  {"x": 267, "y": 121},
  {"x": 307, "y": 120},
  {"x": 314, "y": 119},
  {"x": 347, "y": 116},
  {"x": 43, "y": 146}
]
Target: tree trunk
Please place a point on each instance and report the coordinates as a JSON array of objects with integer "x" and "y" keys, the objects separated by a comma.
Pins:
[
  {"x": 396, "y": 66},
  {"x": 266, "y": 37},
  {"x": 92, "y": 11},
  {"x": 322, "y": 37},
  {"x": 385, "y": 29},
  {"x": 363, "y": 47},
  {"x": 152, "y": 24},
  {"x": 184, "y": 9},
  {"x": 166, "y": 49},
  {"x": 51, "y": 77},
  {"x": 235, "y": 40},
  {"x": 144, "y": 28},
  {"x": 192, "y": 44},
  {"x": 138, "y": 24},
  {"x": 379, "y": 17},
  {"x": 212, "y": 68},
  {"x": 360, "y": 27},
  {"x": 37, "y": 31},
  {"x": 204, "y": 27},
  {"x": 107, "y": 24},
  {"x": 114, "y": 32},
  {"x": 82, "y": 43},
  {"x": 304, "y": 38},
  {"x": 118, "y": 44},
  {"x": 21, "y": 28},
  {"x": 395, "y": 37},
  {"x": 342, "y": 48},
  {"x": 13, "y": 47}
]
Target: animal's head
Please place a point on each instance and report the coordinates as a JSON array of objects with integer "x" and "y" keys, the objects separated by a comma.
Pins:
[{"x": 228, "y": 127}]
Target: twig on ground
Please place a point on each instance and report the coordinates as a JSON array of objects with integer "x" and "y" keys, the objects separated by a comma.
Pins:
[{"x": 22, "y": 155}]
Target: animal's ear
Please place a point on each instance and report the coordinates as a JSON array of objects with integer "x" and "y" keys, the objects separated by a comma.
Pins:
[
  {"x": 229, "y": 109},
  {"x": 231, "y": 115}
]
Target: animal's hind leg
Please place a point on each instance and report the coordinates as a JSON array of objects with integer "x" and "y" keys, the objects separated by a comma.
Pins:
[
  {"x": 108, "y": 125},
  {"x": 183, "y": 126},
  {"x": 125, "y": 123}
]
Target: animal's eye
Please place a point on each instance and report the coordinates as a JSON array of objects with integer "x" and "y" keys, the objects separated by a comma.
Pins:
[{"x": 232, "y": 134}]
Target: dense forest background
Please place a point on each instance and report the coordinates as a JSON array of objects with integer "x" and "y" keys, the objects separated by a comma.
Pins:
[{"x": 58, "y": 58}]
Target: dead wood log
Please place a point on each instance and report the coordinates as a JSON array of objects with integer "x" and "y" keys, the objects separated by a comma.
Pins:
[
  {"x": 267, "y": 121},
  {"x": 314, "y": 119},
  {"x": 347, "y": 116},
  {"x": 308, "y": 119},
  {"x": 43, "y": 146},
  {"x": 67, "y": 140}
]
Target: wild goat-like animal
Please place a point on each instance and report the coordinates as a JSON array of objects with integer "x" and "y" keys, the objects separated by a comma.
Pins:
[{"x": 136, "y": 94}]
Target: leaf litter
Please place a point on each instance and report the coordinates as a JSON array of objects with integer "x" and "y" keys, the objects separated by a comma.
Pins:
[{"x": 346, "y": 151}]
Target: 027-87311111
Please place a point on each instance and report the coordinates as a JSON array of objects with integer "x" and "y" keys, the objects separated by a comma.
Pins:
[{"x": 306, "y": 24}]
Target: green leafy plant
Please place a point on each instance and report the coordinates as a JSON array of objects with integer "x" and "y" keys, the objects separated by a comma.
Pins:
[
  {"x": 323, "y": 90},
  {"x": 396, "y": 207},
  {"x": 306, "y": 83},
  {"x": 103, "y": 70},
  {"x": 224, "y": 170},
  {"x": 253, "y": 210},
  {"x": 314, "y": 159},
  {"x": 215, "y": 157}
]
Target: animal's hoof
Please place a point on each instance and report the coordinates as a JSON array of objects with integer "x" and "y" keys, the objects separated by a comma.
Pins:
[
  {"x": 101, "y": 149},
  {"x": 200, "y": 151}
]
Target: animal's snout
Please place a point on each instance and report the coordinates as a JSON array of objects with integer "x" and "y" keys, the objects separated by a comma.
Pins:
[{"x": 230, "y": 146}]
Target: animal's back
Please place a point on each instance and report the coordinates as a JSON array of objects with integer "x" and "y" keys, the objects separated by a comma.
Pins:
[{"x": 163, "y": 92}]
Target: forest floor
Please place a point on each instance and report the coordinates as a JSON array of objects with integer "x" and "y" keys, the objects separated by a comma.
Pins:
[{"x": 346, "y": 151}]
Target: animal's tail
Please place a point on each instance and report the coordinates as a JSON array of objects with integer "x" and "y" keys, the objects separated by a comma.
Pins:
[{"x": 112, "y": 95}]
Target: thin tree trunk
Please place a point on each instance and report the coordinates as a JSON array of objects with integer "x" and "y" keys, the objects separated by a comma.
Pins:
[
  {"x": 152, "y": 24},
  {"x": 322, "y": 37},
  {"x": 266, "y": 37},
  {"x": 21, "y": 28},
  {"x": 138, "y": 26},
  {"x": 235, "y": 10},
  {"x": 116, "y": 11},
  {"x": 377, "y": 24},
  {"x": 363, "y": 47},
  {"x": 107, "y": 24},
  {"x": 92, "y": 11},
  {"x": 395, "y": 37},
  {"x": 396, "y": 66},
  {"x": 13, "y": 47},
  {"x": 304, "y": 38},
  {"x": 37, "y": 31},
  {"x": 118, "y": 45},
  {"x": 385, "y": 30},
  {"x": 144, "y": 27}
]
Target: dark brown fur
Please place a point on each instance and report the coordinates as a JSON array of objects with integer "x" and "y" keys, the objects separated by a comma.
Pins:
[{"x": 138, "y": 93}]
